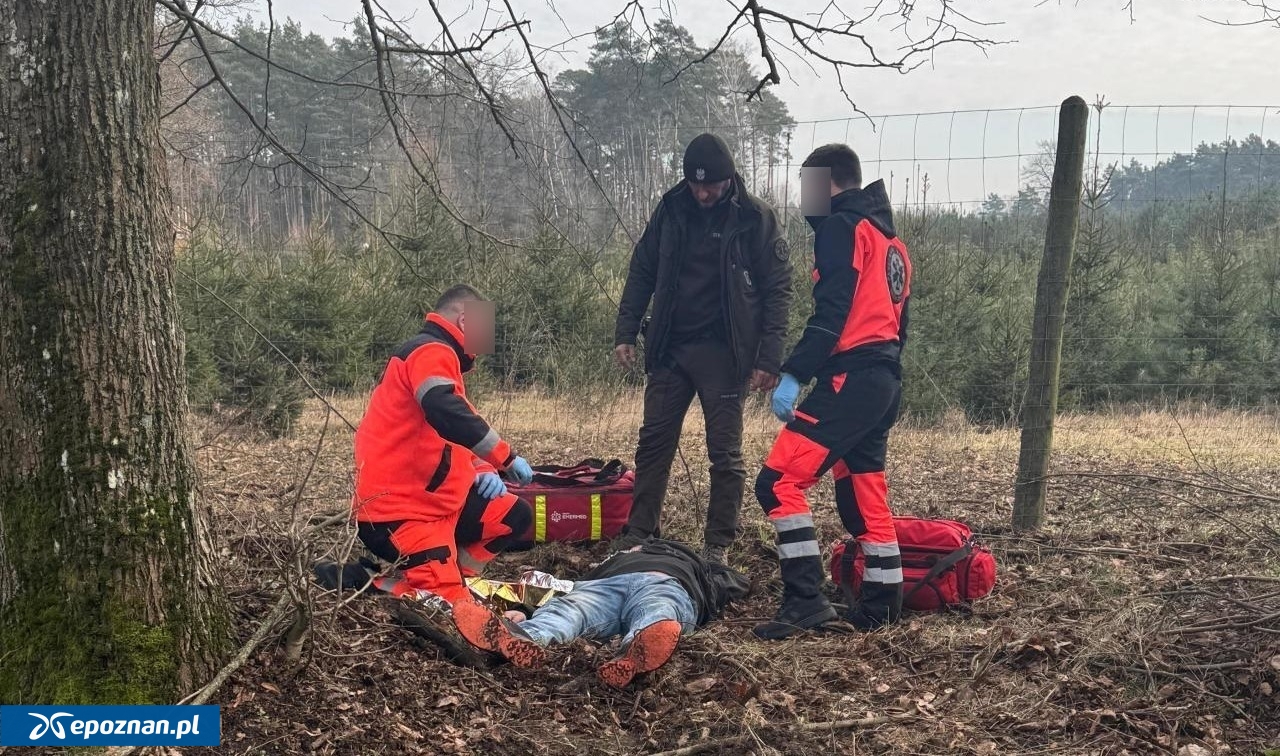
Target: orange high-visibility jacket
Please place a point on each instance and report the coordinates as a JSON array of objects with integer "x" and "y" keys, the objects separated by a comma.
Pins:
[{"x": 416, "y": 450}]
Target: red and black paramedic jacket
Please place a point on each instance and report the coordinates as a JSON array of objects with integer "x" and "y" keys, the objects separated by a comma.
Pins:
[
  {"x": 416, "y": 448},
  {"x": 861, "y": 284}
]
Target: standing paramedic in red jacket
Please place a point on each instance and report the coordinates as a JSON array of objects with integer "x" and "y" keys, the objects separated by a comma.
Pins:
[
  {"x": 852, "y": 346},
  {"x": 428, "y": 494}
]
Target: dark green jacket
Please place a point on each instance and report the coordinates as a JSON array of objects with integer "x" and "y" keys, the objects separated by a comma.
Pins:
[{"x": 755, "y": 288}]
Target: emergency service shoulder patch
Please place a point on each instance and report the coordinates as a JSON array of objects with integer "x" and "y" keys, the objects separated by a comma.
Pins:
[
  {"x": 896, "y": 272},
  {"x": 781, "y": 249}
]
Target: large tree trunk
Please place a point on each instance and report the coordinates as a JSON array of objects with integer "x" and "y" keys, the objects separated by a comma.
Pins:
[{"x": 105, "y": 583}]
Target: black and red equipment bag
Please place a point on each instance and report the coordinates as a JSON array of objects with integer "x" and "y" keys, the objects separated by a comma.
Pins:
[
  {"x": 589, "y": 501},
  {"x": 942, "y": 564}
]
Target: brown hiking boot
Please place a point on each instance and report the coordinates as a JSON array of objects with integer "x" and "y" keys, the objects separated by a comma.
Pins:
[
  {"x": 485, "y": 629},
  {"x": 650, "y": 649}
]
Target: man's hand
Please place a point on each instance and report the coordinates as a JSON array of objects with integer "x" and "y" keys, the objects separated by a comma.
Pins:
[
  {"x": 490, "y": 486},
  {"x": 762, "y": 381},
  {"x": 521, "y": 471},
  {"x": 625, "y": 355},
  {"x": 784, "y": 398}
]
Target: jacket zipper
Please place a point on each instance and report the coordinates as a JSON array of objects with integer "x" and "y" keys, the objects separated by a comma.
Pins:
[{"x": 728, "y": 299}]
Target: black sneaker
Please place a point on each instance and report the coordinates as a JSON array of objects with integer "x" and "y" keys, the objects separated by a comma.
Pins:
[{"x": 796, "y": 616}]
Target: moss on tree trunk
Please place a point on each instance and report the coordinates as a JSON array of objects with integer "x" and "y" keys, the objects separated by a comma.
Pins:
[{"x": 106, "y": 589}]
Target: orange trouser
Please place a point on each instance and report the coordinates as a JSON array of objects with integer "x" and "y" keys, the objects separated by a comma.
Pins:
[
  {"x": 434, "y": 555},
  {"x": 842, "y": 426}
]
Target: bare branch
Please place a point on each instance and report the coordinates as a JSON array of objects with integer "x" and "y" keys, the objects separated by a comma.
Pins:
[
  {"x": 710, "y": 51},
  {"x": 1268, "y": 15},
  {"x": 771, "y": 77},
  {"x": 559, "y": 113},
  {"x": 466, "y": 65},
  {"x": 395, "y": 118},
  {"x": 477, "y": 47},
  {"x": 809, "y": 38},
  {"x": 335, "y": 190},
  {"x": 197, "y": 89},
  {"x": 178, "y": 8}
]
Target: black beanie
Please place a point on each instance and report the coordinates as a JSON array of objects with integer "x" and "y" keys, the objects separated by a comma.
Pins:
[{"x": 707, "y": 159}]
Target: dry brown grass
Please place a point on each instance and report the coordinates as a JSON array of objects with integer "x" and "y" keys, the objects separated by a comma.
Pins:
[{"x": 1083, "y": 647}]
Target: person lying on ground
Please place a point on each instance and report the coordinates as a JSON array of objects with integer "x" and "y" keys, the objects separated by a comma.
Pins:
[{"x": 650, "y": 595}]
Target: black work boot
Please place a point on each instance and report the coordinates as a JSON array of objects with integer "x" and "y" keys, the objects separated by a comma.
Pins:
[
  {"x": 879, "y": 604},
  {"x": 803, "y": 605},
  {"x": 348, "y": 577}
]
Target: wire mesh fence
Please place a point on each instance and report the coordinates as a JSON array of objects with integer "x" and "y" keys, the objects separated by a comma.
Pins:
[{"x": 1174, "y": 300}]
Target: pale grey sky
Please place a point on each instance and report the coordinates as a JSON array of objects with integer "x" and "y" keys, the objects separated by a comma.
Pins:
[{"x": 1170, "y": 56}]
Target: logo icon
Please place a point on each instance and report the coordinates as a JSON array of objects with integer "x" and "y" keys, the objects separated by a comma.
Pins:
[
  {"x": 701, "y": 173},
  {"x": 49, "y": 724},
  {"x": 896, "y": 273},
  {"x": 558, "y": 516}
]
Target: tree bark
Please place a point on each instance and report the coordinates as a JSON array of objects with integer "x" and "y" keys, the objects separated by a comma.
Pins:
[{"x": 106, "y": 588}]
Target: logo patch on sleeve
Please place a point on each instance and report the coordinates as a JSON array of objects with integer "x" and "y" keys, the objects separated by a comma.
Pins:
[
  {"x": 781, "y": 249},
  {"x": 896, "y": 272}
]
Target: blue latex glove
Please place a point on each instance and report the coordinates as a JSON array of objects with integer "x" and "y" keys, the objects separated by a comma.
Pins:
[
  {"x": 521, "y": 471},
  {"x": 784, "y": 398},
  {"x": 490, "y": 486}
]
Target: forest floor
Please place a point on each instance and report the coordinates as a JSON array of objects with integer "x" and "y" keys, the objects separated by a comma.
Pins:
[{"x": 1144, "y": 618}]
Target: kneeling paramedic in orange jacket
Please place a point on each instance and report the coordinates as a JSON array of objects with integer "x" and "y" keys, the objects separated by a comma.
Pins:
[
  {"x": 427, "y": 464},
  {"x": 852, "y": 346}
]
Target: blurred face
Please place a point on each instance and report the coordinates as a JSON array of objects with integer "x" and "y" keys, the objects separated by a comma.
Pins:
[
  {"x": 708, "y": 194},
  {"x": 816, "y": 191},
  {"x": 476, "y": 323}
]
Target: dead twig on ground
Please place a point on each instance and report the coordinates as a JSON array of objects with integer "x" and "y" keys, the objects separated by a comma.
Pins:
[{"x": 1239, "y": 623}]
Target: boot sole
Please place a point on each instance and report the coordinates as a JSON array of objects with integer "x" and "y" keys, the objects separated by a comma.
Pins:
[
  {"x": 650, "y": 649},
  {"x": 485, "y": 630}
]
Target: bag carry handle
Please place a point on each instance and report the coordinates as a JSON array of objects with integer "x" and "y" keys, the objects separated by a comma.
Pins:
[
  {"x": 942, "y": 565},
  {"x": 589, "y": 472}
]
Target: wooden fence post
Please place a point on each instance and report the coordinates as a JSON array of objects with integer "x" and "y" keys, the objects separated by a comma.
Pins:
[{"x": 1041, "y": 403}]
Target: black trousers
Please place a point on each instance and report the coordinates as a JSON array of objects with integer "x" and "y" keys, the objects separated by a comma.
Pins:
[{"x": 705, "y": 370}]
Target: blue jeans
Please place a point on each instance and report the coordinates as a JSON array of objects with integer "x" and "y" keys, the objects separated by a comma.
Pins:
[{"x": 619, "y": 605}]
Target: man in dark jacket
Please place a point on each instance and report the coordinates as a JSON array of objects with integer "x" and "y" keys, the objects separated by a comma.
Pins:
[
  {"x": 650, "y": 595},
  {"x": 713, "y": 263},
  {"x": 852, "y": 345}
]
